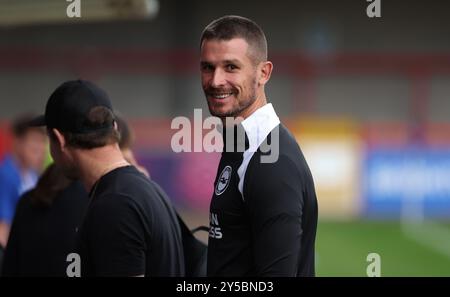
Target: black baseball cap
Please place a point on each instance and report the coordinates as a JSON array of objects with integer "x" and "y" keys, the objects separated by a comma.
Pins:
[{"x": 69, "y": 105}]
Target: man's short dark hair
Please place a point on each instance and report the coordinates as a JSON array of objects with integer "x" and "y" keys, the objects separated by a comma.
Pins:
[
  {"x": 230, "y": 27},
  {"x": 98, "y": 116}
]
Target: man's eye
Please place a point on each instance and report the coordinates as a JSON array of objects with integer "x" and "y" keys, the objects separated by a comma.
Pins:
[
  {"x": 231, "y": 67},
  {"x": 207, "y": 68}
]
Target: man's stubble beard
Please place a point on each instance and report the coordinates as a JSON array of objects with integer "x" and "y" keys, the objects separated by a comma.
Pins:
[{"x": 237, "y": 111}]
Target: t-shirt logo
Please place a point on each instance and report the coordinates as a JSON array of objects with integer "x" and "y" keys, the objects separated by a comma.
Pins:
[{"x": 223, "y": 181}]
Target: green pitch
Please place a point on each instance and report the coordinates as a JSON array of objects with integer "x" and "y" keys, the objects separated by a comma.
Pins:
[{"x": 342, "y": 248}]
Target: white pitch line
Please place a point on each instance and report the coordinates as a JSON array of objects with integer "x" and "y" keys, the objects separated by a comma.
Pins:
[{"x": 429, "y": 234}]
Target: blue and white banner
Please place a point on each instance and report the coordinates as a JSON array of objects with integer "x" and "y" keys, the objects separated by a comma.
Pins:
[{"x": 412, "y": 182}]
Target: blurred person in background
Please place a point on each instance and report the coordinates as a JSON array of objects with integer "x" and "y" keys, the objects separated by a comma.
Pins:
[
  {"x": 263, "y": 215},
  {"x": 126, "y": 143},
  {"x": 43, "y": 231},
  {"x": 19, "y": 169}
]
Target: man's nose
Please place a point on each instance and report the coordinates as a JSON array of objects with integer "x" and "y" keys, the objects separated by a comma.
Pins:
[{"x": 218, "y": 79}]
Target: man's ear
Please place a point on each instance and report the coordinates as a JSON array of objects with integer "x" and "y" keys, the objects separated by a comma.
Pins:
[
  {"x": 265, "y": 72},
  {"x": 60, "y": 138}
]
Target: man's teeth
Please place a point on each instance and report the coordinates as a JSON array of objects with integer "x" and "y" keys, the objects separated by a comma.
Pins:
[{"x": 222, "y": 96}]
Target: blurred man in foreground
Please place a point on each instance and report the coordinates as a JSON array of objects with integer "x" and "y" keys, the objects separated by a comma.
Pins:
[
  {"x": 128, "y": 229},
  {"x": 43, "y": 231}
]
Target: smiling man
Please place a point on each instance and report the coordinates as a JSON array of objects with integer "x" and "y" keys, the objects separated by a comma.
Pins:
[{"x": 263, "y": 215}]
